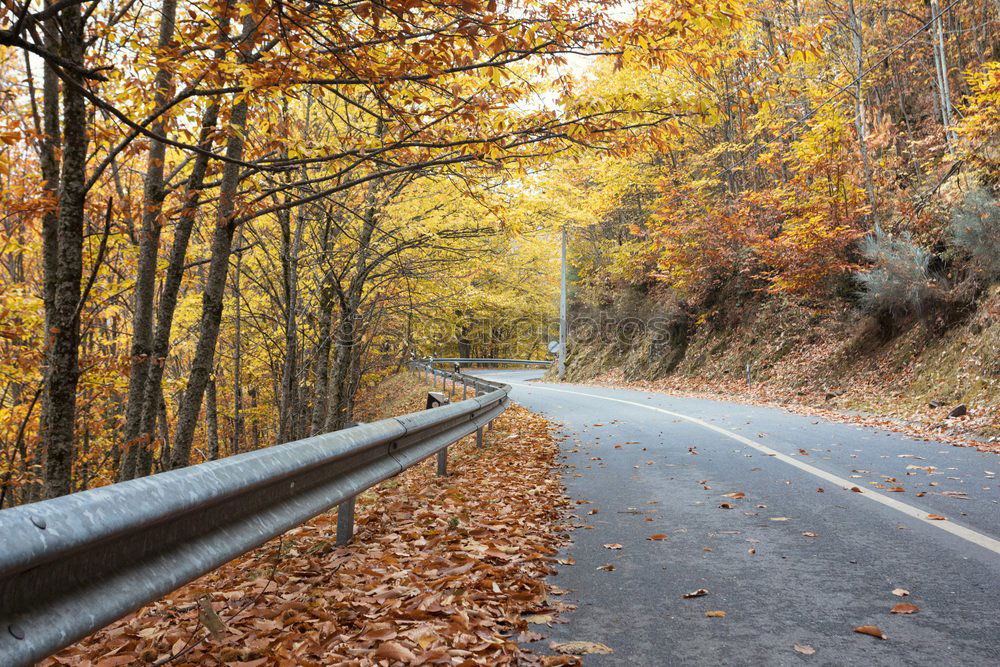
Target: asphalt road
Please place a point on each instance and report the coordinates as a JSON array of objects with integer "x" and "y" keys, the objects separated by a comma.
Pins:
[{"x": 788, "y": 563}]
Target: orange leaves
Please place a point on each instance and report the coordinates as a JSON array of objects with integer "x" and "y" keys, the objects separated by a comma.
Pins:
[
  {"x": 871, "y": 631},
  {"x": 413, "y": 588},
  {"x": 904, "y": 608}
]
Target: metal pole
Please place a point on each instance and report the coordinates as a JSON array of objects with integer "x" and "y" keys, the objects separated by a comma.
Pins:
[
  {"x": 345, "y": 521},
  {"x": 479, "y": 437},
  {"x": 443, "y": 462},
  {"x": 562, "y": 311}
]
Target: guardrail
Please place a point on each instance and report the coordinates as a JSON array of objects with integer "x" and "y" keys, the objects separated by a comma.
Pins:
[
  {"x": 71, "y": 565},
  {"x": 504, "y": 362}
]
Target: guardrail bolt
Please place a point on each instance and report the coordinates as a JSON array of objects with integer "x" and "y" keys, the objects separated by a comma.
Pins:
[
  {"x": 345, "y": 521},
  {"x": 15, "y": 631},
  {"x": 38, "y": 521}
]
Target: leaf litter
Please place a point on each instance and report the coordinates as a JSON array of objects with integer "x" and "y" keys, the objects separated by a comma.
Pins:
[{"x": 441, "y": 571}]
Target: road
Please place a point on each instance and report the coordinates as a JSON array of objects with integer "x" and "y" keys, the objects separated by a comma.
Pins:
[{"x": 801, "y": 559}]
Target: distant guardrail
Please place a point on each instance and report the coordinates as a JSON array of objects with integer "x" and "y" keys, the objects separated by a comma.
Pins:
[
  {"x": 71, "y": 565},
  {"x": 479, "y": 361}
]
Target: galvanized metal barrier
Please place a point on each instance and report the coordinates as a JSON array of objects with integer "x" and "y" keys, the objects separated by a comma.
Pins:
[
  {"x": 484, "y": 361},
  {"x": 71, "y": 565}
]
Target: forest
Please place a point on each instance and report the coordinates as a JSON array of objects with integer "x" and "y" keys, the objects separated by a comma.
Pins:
[{"x": 222, "y": 219}]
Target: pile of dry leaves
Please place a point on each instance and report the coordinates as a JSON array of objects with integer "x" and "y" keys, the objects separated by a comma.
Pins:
[{"x": 441, "y": 571}]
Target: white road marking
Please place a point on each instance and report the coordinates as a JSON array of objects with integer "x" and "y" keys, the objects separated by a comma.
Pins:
[{"x": 967, "y": 534}]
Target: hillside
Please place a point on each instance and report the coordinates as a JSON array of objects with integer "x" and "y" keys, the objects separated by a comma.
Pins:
[{"x": 833, "y": 359}]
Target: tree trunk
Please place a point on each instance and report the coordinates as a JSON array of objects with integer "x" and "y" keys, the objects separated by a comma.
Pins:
[
  {"x": 50, "y": 167},
  {"x": 860, "y": 119},
  {"x": 212, "y": 420},
  {"x": 222, "y": 243},
  {"x": 64, "y": 352},
  {"x": 149, "y": 245},
  {"x": 237, "y": 354}
]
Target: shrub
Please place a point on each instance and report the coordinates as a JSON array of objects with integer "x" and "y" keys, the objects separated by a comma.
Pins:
[
  {"x": 975, "y": 228},
  {"x": 900, "y": 281}
]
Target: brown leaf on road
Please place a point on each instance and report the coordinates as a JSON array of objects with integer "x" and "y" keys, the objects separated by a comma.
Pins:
[
  {"x": 701, "y": 592},
  {"x": 896, "y": 489},
  {"x": 735, "y": 495},
  {"x": 900, "y": 592},
  {"x": 581, "y": 648},
  {"x": 804, "y": 649},
  {"x": 871, "y": 630},
  {"x": 809, "y": 533},
  {"x": 856, "y": 489},
  {"x": 657, "y": 537},
  {"x": 607, "y": 567},
  {"x": 726, "y": 506},
  {"x": 936, "y": 517},
  {"x": 715, "y": 613},
  {"x": 904, "y": 608},
  {"x": 539, "y": 619},
  {"x": 613, "y": 546}
]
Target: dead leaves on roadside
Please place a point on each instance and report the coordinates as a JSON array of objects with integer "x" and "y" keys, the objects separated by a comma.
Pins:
[{"x": 442, "y": 571}]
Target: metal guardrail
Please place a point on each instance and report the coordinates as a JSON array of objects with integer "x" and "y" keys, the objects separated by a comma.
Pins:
[
  {"x": 71, "y": 565},
  {"x": 505, "y": 362}
]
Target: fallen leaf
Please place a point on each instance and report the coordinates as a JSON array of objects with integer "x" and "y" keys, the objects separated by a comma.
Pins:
[
  {"x": 657, "y": 537},
  {"x": 735, "y": 494},
  {"x": 804, "y": 649},
  {"x": 701, "y": 592},
  {"x": 871, "y": 630},
  {"x": 607, "y": 567},
  {"x": 715, "y": 613},
  {"x": 779, "y": 518},
  {"x": 936, "y": 517},
  {"x": 904, "y": 608},
  {"x": 818, "y": 490},
  {"x": 900, "y": 592},
  {"x": 613, "y": 546},
  {"x": 395, "y": 651},
  {"x": 855, "y": 489},
  {"x": 538, "y": 618},
  {"x": 896, "y": 489},
  {"x": 580, "y": 648},
  {"x": 809, "y": 533}
]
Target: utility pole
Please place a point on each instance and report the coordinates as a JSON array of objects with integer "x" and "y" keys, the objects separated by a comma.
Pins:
[{"x": 562, "y": 311}]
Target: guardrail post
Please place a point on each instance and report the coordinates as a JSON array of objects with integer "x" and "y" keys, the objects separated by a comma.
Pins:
[
  {"x": 443, "y": 462},
  {"x": 479, "y": 437},
  {"x": 465, "y": 388},
  {"x": 345, "y": 521}
]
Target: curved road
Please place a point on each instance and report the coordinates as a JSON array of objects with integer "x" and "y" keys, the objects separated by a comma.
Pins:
[{"x": 800, "y": 559}]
